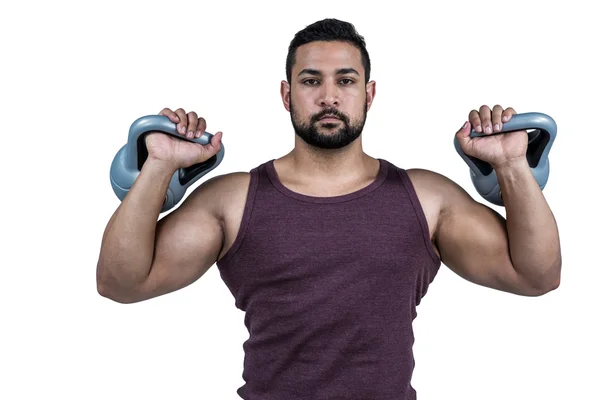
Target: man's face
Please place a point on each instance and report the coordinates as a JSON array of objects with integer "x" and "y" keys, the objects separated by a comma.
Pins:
[{"x": 328, "y": 80}]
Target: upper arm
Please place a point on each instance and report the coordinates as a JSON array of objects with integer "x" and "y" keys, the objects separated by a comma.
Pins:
[
  {"x": 472, "y": 238},
  {"x": 187, "y": 241}
]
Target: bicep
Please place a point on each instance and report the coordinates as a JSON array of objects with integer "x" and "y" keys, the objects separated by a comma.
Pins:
[
  {"x": 187, "y": 244},
  {"x": 473, "y": 242}
]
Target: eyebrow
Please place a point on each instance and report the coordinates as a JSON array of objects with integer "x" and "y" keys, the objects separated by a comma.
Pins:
[{"x": 339, "y": 71}]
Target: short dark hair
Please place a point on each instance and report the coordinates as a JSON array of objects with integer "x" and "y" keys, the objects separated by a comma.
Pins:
[{"x": 329, "y": 29}]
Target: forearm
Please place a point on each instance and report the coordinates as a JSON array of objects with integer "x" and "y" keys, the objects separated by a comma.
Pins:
[
  {"x": 532, "y": 230},
  {"x": 128, "y": 243}
]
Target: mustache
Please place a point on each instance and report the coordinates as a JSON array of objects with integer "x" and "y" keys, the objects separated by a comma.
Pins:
[{"x": 333, "y": 112}]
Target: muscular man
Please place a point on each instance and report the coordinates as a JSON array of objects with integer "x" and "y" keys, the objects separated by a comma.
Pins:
[{"x": 327, "y": 249}]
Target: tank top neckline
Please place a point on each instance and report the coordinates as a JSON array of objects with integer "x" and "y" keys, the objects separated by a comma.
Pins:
[{"x": 379, "y": 179}]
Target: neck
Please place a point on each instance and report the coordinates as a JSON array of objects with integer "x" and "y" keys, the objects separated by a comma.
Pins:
[{"x": 316, "y": 164}]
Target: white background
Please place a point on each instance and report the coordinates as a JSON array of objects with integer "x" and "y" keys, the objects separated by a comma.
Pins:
[{"x": 75, "y": 75}]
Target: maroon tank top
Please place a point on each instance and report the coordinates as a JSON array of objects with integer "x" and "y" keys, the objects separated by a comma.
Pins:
[{"x": 329, "y": 286}]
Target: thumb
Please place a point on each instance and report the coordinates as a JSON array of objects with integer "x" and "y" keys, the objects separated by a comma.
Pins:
[
  {"x": 215, "y": 141},
  {"x": 463, "y": 133}
]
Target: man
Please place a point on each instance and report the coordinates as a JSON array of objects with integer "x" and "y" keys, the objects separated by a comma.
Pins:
[{"x": 329, "y": 250}]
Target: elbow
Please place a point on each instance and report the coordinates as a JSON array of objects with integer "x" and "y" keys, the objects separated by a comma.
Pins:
[
  {"x": 550, "y": 282},
  {"x": 110, "y": 292},
  {"x": 102, "y": 285},
  {"x": 104, "y": 291},
  {"x": 548, "y": 288},
  {"x": 555, "y": 274},
  {"x": 111, "y": 295},
  {"x": 555, "y": 283}
]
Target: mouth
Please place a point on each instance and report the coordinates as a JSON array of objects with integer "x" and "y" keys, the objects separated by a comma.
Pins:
[{"x": 330, "y": 118}]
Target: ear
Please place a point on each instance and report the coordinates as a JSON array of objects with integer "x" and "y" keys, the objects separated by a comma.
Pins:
[
  {"x": 285, "y": 94},
  {"x": 370, "y": 93}
]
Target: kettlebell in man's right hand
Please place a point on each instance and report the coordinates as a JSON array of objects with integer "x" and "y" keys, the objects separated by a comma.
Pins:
[{"x": 128, "y": 161}]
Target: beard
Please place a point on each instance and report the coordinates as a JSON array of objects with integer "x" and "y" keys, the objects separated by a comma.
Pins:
[{"x": 343, "y": 131}]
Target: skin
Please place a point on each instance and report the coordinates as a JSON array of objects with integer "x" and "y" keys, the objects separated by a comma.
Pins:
[{"x": 520, "y": 254}]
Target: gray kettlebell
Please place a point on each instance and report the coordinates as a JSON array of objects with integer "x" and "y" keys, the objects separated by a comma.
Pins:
[
  {"x": 128, "y": 161},
  {"x": 541, "y": 133}
]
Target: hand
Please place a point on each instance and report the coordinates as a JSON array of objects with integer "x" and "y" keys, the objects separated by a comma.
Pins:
[
  {"x": 498, "y": 150},
  {"x": 181, "y": 153}
]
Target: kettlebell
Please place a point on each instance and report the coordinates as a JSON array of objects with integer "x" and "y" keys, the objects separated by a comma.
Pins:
[
  {"x": 128, "y": 161},
  {"x": 541, "y": 131}
]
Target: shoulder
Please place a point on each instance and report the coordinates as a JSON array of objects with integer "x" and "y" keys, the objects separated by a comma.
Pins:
[
  {"x": 435, "y": 187},
  {"x": 221, "y": 194},
  {"x": 230, "y": 183},
  {"x": 438, "y": 194}
]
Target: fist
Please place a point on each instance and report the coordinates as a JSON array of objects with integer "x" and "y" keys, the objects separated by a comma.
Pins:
[
  {"x": 181, "y": 153},
  {"x": 494, "y": 149}
]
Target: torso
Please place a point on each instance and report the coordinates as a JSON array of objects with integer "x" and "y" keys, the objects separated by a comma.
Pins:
[{"x": 238, "y": 183}]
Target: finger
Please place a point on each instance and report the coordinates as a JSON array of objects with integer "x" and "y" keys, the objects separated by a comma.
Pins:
[
  {"x": 486, "y": 118},
  {"x": 167, "y": 112},
  {"x": 214, "y": 144},
  {"x": 192, "y": 124},
  {"x": 497, "y": 117},
  {"x": 182, "y": 125},
  {"x": 201, "y": 127},
  {"x": 507, "y": 114},
  {"x": 216, "y": 140},
  {"x": 475, "y": 120},
  {"x": 464, "y": 131}
]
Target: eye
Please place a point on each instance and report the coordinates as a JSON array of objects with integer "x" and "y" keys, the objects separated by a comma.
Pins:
[
  {"x": 348, "y": 80},
  {"x": 306, "y": 82}
]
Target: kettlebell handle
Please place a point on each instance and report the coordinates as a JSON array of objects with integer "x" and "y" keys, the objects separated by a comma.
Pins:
[
  {"x": 518, "y": 122},
  {"x": 154, "y": 123}
]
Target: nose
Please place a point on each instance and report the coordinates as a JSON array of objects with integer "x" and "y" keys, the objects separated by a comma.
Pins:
[{"x": 329, "y": 95}]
